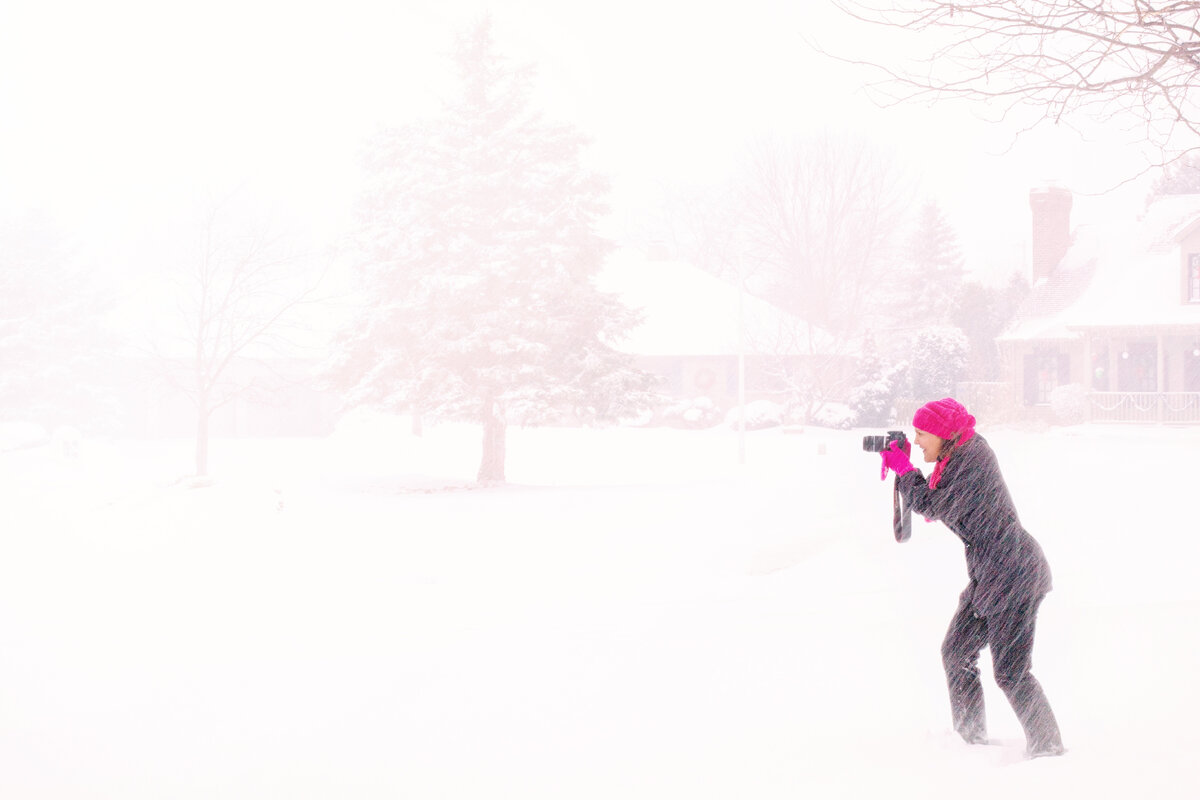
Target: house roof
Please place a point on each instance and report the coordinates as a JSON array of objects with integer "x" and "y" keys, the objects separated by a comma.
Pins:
[
  {"x": 1124, "y": 274},
  {"x": 1046, "y": 313},
  {"x": 688, "y": 311}
]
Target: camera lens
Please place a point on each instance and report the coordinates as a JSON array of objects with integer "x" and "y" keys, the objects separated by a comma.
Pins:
[{"x": 873, "y": 444}]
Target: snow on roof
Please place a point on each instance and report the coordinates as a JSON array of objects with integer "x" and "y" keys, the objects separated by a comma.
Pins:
[
  {"x": 1138, "y": 282},
  {"x": 1046, "y": 313},
  {"x": 1142, "y": 290},
  {"x": 688, "y": 311},
  {"x": 1135, "y": 280}
]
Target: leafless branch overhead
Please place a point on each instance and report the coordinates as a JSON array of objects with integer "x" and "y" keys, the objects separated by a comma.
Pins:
[{"x": 1133, "y": 63}]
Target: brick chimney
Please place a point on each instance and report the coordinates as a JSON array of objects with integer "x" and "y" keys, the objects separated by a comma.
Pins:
[{"x": 1051, "y": 228}]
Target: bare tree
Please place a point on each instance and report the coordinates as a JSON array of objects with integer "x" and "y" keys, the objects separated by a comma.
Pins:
[
  {"x": 1180, "y": 177},
  {"x": 1135, "y": 63},
  {"x": 810, "y": 224},
  {"x": 820, "y": 216},
  {"x": 244, "y": 287}
]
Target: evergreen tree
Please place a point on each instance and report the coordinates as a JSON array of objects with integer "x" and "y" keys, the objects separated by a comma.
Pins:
[
  {"x": 53, "y": 332},
  {"x": 876, "y": 386},
  {"x": 939, "y": 361},
  {"x": 478, "y": 247},
  {"x": 935, "y": 263},
  {"x": 982, "y": 313}
]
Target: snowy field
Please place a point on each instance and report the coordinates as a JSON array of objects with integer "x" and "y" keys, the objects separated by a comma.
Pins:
[{"x": 635, "y": 615}]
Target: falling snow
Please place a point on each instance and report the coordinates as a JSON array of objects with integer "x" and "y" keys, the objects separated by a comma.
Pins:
[{"x": 634, "y": 615}]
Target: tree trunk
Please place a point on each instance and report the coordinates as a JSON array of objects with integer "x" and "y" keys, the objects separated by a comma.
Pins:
[
  {"x": 491, "y": 467},
  {"x": 202, "y": 442}
]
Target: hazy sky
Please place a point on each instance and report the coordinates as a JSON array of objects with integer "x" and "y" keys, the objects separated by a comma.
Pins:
[{"x": 113, "y": 113}]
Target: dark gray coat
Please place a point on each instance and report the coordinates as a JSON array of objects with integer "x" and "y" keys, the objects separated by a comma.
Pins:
[{"x": 1005, "y": 563}]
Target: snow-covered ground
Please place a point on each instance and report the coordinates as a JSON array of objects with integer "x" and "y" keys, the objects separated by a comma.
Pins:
[{"x": 635, "y": 615}]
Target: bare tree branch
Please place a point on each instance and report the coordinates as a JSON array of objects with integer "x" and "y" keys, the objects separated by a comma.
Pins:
[
  {"x": 240, "y": 294},
  {"x": 807, "y": 223},
  {"x": 1130, "y": 64}
]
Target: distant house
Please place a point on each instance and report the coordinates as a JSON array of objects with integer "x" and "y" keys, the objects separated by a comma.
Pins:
[
  {"x": 695, "y": 325},
  {"x": 1114, "y": 310}
]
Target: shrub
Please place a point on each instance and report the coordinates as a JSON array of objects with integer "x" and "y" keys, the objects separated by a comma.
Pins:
[
  {"x": 939, "y": 361},
  {"x": 835, "y": 415},
  {"x": 1069, "y": 404},
  {"x": 872, "y": 401},
  {"x": 697, "y": 412},
  {"x": 760, "y": 414}
]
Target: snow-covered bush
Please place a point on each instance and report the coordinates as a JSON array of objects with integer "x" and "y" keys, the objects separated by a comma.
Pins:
[
  {"x": 872, "y": 400},
  {"x": 696, "y": 412},
  {"x": 939, "y": 360},
  {"x": 639, "y": 420},
  {"x": 1069, "y": 404},
  {"x": 795, "y": 414},
  {"x": 760, "y": 414},
  {"x": 835, "y": 415}
]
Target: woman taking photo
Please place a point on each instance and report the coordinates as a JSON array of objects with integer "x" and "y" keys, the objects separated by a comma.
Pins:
[{"x": 1009, "y": 575}]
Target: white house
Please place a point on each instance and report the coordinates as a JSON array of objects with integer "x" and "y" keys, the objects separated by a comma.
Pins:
[
  {"x": 696, "y": 325},
  {"x": 1115, "y": 309}
]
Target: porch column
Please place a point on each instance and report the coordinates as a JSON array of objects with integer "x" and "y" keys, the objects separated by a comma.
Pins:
[
  {"x": 1088, "y": 376},
  {"x": 1114, "y": 361},
  {"x": 1160, "y": 377}
]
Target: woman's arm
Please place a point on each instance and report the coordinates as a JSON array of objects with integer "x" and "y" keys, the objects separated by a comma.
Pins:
[{"x": 965, "y": 482}]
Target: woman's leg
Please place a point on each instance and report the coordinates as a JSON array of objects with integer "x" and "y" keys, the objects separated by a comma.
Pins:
[
  {"x": 960, "y": 657},
  {"x": 1010, "y": 637}
]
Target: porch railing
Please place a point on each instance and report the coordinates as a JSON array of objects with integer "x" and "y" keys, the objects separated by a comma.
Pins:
[{"x": 1160, "y": 407}]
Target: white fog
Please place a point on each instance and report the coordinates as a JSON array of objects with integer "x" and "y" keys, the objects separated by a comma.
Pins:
[{"x": 381, "y": 419}]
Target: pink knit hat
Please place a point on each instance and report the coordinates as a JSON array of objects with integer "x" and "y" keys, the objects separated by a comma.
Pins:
[{"x": 945, "y": 418}]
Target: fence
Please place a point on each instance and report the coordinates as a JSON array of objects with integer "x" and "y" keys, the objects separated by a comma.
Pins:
[{"x": 1158, "y": 407}]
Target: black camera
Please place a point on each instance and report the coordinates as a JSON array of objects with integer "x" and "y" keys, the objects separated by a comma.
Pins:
[{"x": 877, "y": 444}]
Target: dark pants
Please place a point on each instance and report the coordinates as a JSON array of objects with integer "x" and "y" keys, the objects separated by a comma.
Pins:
[{"x": 1009, "y": 635}]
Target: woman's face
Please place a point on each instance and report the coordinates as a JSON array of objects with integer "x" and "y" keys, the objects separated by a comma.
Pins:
[{"x": 931, "y": 446}]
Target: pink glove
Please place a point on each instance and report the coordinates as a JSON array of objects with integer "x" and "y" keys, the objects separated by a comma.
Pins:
[{"x": 896, "y": 460}]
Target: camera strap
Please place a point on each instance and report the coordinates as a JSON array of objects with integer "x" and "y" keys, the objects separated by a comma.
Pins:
[{"x": 901, "y": 515}]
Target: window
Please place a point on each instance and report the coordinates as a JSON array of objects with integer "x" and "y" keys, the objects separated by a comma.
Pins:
[
  {"x": 1193, "y": 278},
  {"x": 1044, "y": 372},
  {"x": 1191, "y": 368},
  {"x": 1137, "y": 369}
]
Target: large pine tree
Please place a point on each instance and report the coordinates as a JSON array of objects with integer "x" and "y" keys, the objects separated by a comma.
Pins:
[
  {"x": 936, "y": 263},
  {"x": 478, "y": 246}
]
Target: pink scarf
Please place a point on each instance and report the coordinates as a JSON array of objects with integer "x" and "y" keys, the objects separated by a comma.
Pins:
[{"x": 941, "y": 463}]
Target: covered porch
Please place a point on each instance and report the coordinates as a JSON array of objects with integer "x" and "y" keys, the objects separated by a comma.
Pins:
[
  {"x": 1142, "y": 374},
  {"x": 1140, "y": 359}
]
